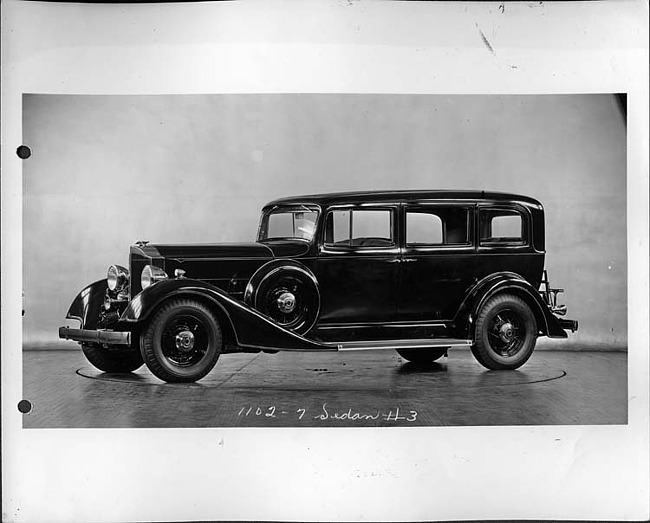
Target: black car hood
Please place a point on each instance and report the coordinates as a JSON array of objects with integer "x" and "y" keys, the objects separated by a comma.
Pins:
[
  {"x": 272, "y": 249},
  {"x": 186, "y": 251}
]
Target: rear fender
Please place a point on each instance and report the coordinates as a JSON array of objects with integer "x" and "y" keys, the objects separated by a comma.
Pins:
[
  {"x": 249, "y": 328},
  {"x": 88, "y": 304},
  {"x": 511, "y": 283}
]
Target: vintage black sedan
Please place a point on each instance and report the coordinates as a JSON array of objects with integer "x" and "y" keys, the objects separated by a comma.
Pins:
[{"x": 415, "y": 271}]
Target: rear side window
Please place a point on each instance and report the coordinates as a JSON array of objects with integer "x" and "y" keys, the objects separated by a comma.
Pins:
[
  {"x": 437, "y": 226},
  {"x": 359, "y": 228},
  {"x": 501, "y": 226}
]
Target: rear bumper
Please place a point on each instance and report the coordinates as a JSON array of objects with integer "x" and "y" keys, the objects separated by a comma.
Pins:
[
  {"x": 568, "y": 325},
  {"x": 103, "y": 337}
]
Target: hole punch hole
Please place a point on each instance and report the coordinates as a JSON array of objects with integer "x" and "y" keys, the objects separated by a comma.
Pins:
[
  {"x": 24, "y": 406},
  {"x": 23, "y": 152}
]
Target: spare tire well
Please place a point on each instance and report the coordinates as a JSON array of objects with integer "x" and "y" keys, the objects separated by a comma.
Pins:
[{"x": 287, "y": 292}]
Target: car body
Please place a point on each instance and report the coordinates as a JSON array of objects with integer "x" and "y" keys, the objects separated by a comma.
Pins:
[{"x": 416, "y": 271}]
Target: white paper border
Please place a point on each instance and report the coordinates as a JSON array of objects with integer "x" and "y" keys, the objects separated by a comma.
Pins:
[{"x": 574, "y": 472}]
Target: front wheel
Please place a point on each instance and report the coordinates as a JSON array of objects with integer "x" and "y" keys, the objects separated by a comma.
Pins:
[
  {"x": 422, "y": 356},
  {"x": 112, "y": 360},
  {"x": 506, "y": 333},
  {"x": 182, "y": 342}
]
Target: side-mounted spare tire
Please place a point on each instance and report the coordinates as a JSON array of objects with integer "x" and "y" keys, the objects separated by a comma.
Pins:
[
  {"x": 287, "y": 292},
  {"x": 506, "y": 333}
]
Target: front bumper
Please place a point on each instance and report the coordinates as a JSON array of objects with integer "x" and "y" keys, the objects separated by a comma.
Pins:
[{"x": 102, "y": 337}]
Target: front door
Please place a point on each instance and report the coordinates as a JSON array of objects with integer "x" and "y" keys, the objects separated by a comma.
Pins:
[
  {"x": 439, "y": 260},
  {"x": 358, "y": 265}
]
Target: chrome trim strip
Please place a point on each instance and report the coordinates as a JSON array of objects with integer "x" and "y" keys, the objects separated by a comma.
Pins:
[{"x": 402, "y": 344}]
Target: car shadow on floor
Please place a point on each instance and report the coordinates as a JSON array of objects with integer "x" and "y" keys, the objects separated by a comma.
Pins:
[{"x": 422, "y": 368}]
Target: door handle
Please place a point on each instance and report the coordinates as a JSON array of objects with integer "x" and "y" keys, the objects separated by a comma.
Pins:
[{"x": 398, "y": 260}]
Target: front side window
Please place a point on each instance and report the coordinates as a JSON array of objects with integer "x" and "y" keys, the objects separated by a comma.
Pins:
[
  {"x": 359, "y": 228},
  {"x": 288, "y": 223},
  {"x": 501, "y": 226},
  {"x": 437, "y": 226}
]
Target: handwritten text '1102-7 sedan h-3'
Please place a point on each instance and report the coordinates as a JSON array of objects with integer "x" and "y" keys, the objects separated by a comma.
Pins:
[{"x": 415, "y": 271}]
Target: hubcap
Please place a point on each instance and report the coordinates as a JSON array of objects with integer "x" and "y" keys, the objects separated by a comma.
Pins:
[
  {"x": 185, "y": 341},
  {"x": 289, "y": 300},
  {"x": 506, "y": 332},
  {"x": 286, "y": 302}
]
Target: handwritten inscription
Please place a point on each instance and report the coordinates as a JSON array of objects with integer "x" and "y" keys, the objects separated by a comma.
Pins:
[{"x": 327, "y": 413}]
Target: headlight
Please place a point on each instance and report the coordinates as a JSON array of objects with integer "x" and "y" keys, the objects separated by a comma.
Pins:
[
  {"x": 151, "y": 275},
  {"x": 117, "y": 277}
]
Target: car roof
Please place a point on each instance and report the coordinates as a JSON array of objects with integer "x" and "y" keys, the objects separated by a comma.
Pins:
[{"x": 404, "y": 196}]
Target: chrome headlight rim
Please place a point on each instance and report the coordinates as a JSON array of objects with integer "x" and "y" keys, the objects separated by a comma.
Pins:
[
  {"x": 151, "y": 275},
  {"x": 117, "y": 277}
]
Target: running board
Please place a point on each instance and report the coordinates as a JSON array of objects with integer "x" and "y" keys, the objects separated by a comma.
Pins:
[{"x": 399, "y": 344}]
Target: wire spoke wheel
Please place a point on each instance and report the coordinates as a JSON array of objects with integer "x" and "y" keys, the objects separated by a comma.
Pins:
[
  {"x": 506, "y": 332},
  {"x": 182, "y": 342},
  {"x": 108, "y": 360}
]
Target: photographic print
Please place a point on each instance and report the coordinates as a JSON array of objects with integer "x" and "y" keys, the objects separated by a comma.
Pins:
[{"x": 325, "y": 260}]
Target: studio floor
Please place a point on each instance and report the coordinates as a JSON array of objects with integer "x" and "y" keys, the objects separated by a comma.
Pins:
[{"x": 369, "y": 388}]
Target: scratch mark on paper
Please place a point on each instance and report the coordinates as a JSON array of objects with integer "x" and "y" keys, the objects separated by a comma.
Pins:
[{"x": 485, "y": 40}]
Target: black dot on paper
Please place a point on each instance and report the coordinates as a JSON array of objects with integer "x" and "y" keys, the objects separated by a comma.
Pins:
[
  {"x": 23, "y": 152},
  {"x": 24, "y": 406}
]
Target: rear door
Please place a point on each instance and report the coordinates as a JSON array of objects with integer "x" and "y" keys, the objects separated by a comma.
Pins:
[{"x": 438, "y": 264}]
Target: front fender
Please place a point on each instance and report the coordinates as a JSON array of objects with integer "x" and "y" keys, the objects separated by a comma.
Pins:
[
  {"x": 513, "y": 283},
  {"x": 251, "y": 329},
  {"x": 88, "y": 304}
]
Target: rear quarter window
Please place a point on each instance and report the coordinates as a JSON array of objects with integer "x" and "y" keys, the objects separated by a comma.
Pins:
[{"x": 502, "y": 226}]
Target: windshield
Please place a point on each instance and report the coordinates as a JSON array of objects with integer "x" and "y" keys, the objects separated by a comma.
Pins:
[{"x": 288, "y": 223}]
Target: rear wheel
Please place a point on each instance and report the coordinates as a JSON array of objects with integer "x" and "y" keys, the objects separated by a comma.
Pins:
[
  {"x": 112, "y": 360},
  {"x": 506, "y": 333},
  {"x": 182, "y": 342},
  {"x": 422, "y": 356}
]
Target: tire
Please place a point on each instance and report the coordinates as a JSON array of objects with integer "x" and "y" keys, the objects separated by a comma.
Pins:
[
  {"x": 288, "y": 295},
  {"x": 506, "y": 333},
  {"x": 182, "y": 342},
  {"x": 112, "y": 360},
  {"x": 422, "y": 356}
]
